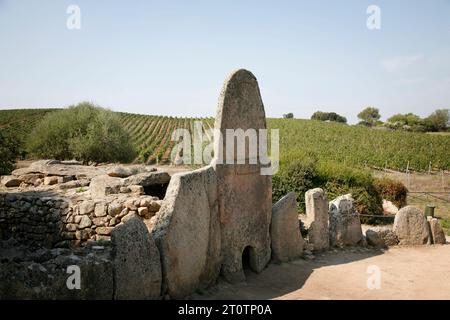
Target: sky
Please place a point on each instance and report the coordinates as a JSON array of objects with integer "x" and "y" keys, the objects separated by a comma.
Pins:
[{"x": 171, "y": 57}]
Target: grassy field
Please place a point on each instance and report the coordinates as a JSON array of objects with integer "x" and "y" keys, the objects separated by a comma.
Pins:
[{"x": 354, "y": 146}]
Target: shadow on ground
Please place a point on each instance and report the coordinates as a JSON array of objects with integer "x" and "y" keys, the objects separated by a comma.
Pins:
[{"x": 281, "y": 279}]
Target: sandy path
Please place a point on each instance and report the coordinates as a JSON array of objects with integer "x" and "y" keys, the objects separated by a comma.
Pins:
[{"x": 406, "y": 273}]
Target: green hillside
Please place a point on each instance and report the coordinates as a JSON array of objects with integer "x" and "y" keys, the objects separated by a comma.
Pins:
[{"x": 354, "y": 146}]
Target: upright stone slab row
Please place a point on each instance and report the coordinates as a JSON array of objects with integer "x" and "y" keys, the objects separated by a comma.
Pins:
[
  {"x": 317, "y": 219},
  {"x": 245, "y": 196}
]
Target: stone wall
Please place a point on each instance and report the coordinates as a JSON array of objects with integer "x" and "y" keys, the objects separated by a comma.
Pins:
[
  {"x": 53, "y": 221},
  {"x": 128, "y": 267}
]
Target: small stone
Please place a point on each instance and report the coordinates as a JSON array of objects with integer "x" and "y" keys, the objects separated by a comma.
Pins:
[
  {"x": 130, "y": 204},
  {"x": 123, "y": 213},
  {"x": 125, "y": 190},
  {"x": 130, "y": 215},
  {"x": 113, "y": 221},
  {"x": 143, "y": 211},
  {"x": 114, "y": 209},
  {"x": 100, "y": 209},
  {"x": 85, "y": 222},
  {"x": 100, "y": 237},
  {"x": 11, "y": 181},
  {"x": 155, "y": 205},
  {"x": 106, "y": 231},
  {"x": 136, "y": 189},
  {"x": 100, "y": 221},
  {"x": 86, "y": 207},
  {"x": 71, "y": 227},
  {"x": 48, "y": 181}
]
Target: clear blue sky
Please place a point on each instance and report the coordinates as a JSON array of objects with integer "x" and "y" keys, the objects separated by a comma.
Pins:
[{"x": 171, "y": 57}]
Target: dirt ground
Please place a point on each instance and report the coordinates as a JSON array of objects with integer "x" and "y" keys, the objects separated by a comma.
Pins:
[{"x": 405, "y": 273}]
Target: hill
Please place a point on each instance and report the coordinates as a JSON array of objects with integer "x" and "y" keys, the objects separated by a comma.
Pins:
[{"x": 354, "y": 146}]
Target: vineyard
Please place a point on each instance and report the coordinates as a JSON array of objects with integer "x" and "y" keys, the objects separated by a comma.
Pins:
[{"x": 355, "y": 146}]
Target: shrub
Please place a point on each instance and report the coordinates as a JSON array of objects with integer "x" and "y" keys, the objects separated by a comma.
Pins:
[
  {"x": 392, "y": 191},
  {"x": 9, "y": 151},
  {"x": 84, "y": 132},
  {"x": 298, "y": 176},
  {"x": 328, "y": 116},
  {"x": 303, "y": 174}
]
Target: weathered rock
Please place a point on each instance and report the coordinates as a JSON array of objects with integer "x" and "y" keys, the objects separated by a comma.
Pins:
[
  {"x": 85, "y": 222},
  {"x": 136, "y": 189},
  {"x": 147, "y": 179},
  {"x": 143, "y": 211},
  {"x": 317, "y": 219},
  {"x": 411, "y": 227},
  {"x": 124, "y": 172},
  {"x": 287, "y": 242},
  {"x": 187, "y": 233},
  {"x": 11, "y": 181},
  {"x": 104, "y": 185},
  {"x": 86, "y": 207},
  {"x": 244, "y": 192},
  {"x": 74, "y": 184},
  {"x": 374, "y": 239},
  {"x": 100, "y": 209},
  {"x": 136, "y": 261},
  {"x": 31, "y": 178},
  {"x": 389, "y": 237},
  {"x": 114, "y": 209},
  {"x": 48, "y": 181},
  {"x": 437, "y": 232},
  {"x": 106, "y": 231},
  {"x": 129, "y": 216},
  {"x": 389, "y": 207},
  {"x": 345, "y": 225}
]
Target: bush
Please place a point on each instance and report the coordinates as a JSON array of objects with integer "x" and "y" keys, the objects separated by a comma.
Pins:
[
  {"x": 328, "y": 116},
  {"x": 84, "y": 132},
  {"x": 9, "y": 151},
  {"x": 392, "y": 191},
  {"x": 298, "y": 176}
]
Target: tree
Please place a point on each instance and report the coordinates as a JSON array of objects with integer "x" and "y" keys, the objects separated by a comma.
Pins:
[
  {"x": 9, "y": 151},
  {"x": 289, "y": 115},
  {"x": 439, "y": 120},
  {"x": 408, "y": 121},
  {"x": 328, "y": 116},
  {"x": 84, "y": 132},
  {"x": 369, "y": 116}
]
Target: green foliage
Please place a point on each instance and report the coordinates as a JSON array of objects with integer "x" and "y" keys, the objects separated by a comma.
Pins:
[
  {"x": 369, "y": 116},
  {"x": 303, "y": 174},
  {"x": 9, "y": 151},
  {"x": 84, "y": 132},
  {"x": 298, "y": 176},
  {"x": 289, "y": 115},
  {"x": 358, "y": 146},
  {"x": 328, "y": 116},
  {"x": 407, "y": 122},
  {"x": 392, "y": 191},
  {"x": 439, "y": 120}
]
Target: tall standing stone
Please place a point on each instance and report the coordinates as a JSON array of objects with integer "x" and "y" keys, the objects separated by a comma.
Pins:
[
  {"x": 437, "y": 232},
  {"x": 187, "y": 233},
  {"x": 317, "y": 219},
  {"x": 287, "y": 241},
  {"x": 245, "y": 196}
]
